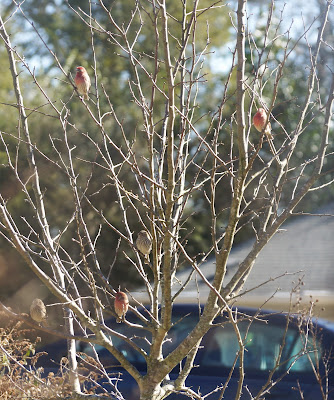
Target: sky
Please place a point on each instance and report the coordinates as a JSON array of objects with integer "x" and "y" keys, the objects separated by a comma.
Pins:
[{"x": 294, "y": 14}]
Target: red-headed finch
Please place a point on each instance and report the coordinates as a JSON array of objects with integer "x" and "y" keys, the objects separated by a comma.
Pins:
[
  {"x": 121, "y": 306},
  {"x": 259, "y": 121},
  {"x": 144, "y": 243},
  {"x": 82, "y": 82},
  {"x": 38, "y": 311}
]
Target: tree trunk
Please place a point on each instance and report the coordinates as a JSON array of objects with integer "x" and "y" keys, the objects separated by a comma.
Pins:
[
  {"x": 71, "y": 352},
  {"x": 152, "y": 393},
  {"x": 150, "y": 389}
]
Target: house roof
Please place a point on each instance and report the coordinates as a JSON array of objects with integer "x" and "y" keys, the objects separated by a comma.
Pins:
[{"x": 304, "y": 244}]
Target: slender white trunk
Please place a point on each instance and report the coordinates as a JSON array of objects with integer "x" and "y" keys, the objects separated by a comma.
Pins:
[{"x": 71, "y": 352}]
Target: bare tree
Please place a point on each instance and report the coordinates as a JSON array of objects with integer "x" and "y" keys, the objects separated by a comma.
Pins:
[{"x": 186, "y": 158}]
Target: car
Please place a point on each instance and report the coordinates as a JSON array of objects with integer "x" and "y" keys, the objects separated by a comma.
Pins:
[{"x": 286, "y": 356}]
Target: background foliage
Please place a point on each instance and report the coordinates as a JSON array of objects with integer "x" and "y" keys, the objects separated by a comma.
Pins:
[{"x": 68, "y": 37}]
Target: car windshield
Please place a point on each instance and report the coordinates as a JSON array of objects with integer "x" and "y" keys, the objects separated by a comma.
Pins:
[
  {"x": 141, "y": 338},
  {"x": 265, "y": 344}
]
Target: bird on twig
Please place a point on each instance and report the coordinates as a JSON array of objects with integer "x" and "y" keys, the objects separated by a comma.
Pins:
[
  {"x": 38, "y": 311},
  {"x": 259, "y": 121},
  {"x": 121, "y": 305},
  {"x": 144, "y": 243},
  {"x": 82, "y": 82}
]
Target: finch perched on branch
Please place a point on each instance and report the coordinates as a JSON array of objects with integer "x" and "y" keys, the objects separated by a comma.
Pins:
[
  {"x": 259, "y": 121},
  {"x": 144, "y": 243},
  {"x": 121, "y": 305},
  {"x": 38, "y": 311},
  {"x": 82, "y": 82}
]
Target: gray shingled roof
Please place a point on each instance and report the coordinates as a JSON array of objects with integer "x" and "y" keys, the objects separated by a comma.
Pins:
[{"x": 304, "y": 244}]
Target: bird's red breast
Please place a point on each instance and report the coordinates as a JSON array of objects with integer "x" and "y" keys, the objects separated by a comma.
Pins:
[
  {"x": 260, "y": 119},
  {"x": 82, "y": 81},
  {"x": 121, "y": 303}
]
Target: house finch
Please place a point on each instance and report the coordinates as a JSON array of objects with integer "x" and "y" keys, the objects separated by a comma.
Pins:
[
  {"x": 82, "y": 82},
  {"x": 144, "y": 243},
  {"x": 38, "y": 311},
  {"x": 259, "y": 121},
  {"x": 121, "y": 305}
]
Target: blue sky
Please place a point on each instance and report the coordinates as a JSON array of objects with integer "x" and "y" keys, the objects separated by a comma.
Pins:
[{"x": 294, "y": 14}]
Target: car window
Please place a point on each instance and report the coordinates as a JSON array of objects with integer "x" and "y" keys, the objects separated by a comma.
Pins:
[
  {"x": 178, "y": 333},
  {"x": 138, "y": 336},
  {"x": 263, "y": 343},
  {"x": 220, "y": 346},
  {"x": 142, "y": 338},
  {"x": 310, "y": 352}
]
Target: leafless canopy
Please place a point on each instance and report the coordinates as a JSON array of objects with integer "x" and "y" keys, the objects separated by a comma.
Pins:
[{"x": 189, "y": 152}]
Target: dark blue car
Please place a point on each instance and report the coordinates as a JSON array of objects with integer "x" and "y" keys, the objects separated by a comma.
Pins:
[{"x": 285, "y": 357}]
